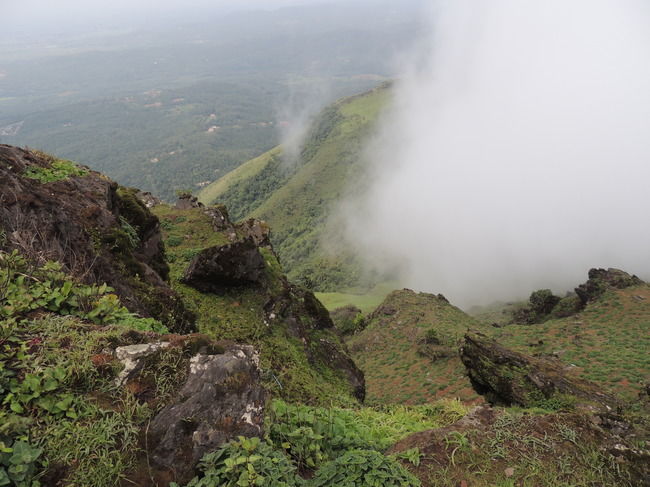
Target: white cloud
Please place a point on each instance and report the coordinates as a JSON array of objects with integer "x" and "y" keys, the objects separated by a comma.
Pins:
[{"x": 517, "y": 153}]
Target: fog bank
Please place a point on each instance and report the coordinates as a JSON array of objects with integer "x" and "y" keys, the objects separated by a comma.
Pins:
[{"x": 517, "y": 153}]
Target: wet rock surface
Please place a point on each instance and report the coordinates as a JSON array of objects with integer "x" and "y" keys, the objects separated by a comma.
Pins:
[{"x": 221, "y": 399}]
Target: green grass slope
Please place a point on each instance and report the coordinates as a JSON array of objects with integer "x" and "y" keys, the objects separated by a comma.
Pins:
[
  {"x": 408, "y": 351},
  {"x": 405, "y": 362},
  {"x": 606, "y": 343},
  {"x": 297, "y": 199}
]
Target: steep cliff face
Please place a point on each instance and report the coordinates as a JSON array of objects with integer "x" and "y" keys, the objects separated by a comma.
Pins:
[{"x": 101, "y": 232}]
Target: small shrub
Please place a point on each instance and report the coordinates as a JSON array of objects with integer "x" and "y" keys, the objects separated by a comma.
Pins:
[
  {"x": 567, "y": 306},
  {"x": 131, "y": 233},
  {"x": 431, "y": 337},
  {"x": 27, "y": 288},
  {"x": 348, "y": 319},
  {"x": 361, "y": 468},
  {"x": 245, "y": 462},
  {"x": 18, "y": 464},
  {"x": 174, "y": 241}
]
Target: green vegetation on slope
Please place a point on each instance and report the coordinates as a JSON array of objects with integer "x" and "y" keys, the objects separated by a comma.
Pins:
[
  {"x": 234, "y": 178},
  {"x": 292, "y": 371},
  {"x": 366, "y": 300},
  {"x": 60, "y": 400},
  {"x": 608, "y": 342},
  {"x": 408, "y": 350},
  {"x": 333, "y": 446},
  {"x": 516, "y": 448},
  {"x": 297, "y": 198}
]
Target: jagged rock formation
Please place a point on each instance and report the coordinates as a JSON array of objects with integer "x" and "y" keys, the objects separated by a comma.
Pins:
[
  {"x": 216, "y": 269},
  {"x": 221, "y": 399},
  {"x": 99, "y": 231},
  {"x": 600, "y": 280},
  {"x": 508, "y": 377},
  {"x": 242, "y": 271},
  {"x": 214, "y": 394},
  {"x": 543, "y": 305}
]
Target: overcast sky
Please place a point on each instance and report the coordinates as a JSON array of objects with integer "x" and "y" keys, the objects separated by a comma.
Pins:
[
  {"x": 27, "y": 17},
  {"x": 45, "y": 21}
]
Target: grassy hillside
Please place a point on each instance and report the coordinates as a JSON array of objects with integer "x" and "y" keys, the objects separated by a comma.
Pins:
[
  {"x": 606, "y": 343},
  {"x": 73, "y": 381},
  {"x": 408, "y": 351},
  {"x": 296, "y": 199}
]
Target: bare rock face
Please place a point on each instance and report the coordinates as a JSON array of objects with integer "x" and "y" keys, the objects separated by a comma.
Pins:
[
  {"x": 600, "y": 280},
  {"x": 148, "y": 199},
  {"x": 218, "y": 268},
  {"x": 99, "y": 231},
  {"x": 258, "y": 230},
  {"x": 219, "y": 216},
  {"x": 131, "y": 357},
  {"x": 221, "y": 399},
  {"x": 187, "y": 201},
  {"x": 512, "y": 378}
]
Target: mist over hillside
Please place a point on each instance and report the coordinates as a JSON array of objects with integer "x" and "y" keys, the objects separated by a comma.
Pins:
[
  {"x": 516, "y": 152},
  {"x": 244, "y": 325}
]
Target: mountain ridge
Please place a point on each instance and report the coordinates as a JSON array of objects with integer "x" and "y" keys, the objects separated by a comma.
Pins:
[{"x": 297, "y": 198}]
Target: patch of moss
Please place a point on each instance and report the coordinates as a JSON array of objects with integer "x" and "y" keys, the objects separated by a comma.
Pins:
[{"x": 58, "y": 170}]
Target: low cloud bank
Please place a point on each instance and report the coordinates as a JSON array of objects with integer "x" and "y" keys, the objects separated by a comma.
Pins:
[{"x": 516, "y": 154}]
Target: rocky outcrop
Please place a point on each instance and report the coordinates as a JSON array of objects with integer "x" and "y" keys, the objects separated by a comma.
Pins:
[
  {"x": 132, "y": 357},
  {"x": 216, "y": 269},
  {"x": 221, "y": 399},
  {"x": 148, "y": 199},
  {"x": 543, "y": 305},
  {"x": 257, "y": 230},
  {"x": 512, "y": 378},
  {"x": 187, "y": 201},
  {"x": 600, "y": 280},
  {"x": 99, "y": 232},
  {"x": 249, "y": 263},
  {"x": 305, "y": 316}
]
